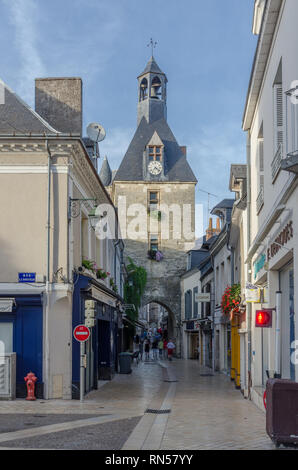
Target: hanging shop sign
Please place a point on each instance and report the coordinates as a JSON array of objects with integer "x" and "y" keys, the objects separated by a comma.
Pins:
[
  {"x": 252, "y": 294},
  {"x": 281, "y": 240},
  {"x": 259, "y": 264},
  {"x": 202, "y": 297}
]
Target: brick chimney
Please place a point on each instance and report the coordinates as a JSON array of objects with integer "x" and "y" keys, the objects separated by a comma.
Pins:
[
  {"x": 210, "y": 232},
  {"x": 183, "y": 149},
  {"x": 59, "y": 102}
]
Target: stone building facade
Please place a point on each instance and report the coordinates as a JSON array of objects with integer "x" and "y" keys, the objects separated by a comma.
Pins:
[{"x": 154, "y": 190}]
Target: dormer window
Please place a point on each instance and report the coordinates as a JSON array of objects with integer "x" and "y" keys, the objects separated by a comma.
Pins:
[{"x": 155, "y": 153}]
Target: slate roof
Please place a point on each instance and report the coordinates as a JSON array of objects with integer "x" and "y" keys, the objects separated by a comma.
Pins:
[
  {"x": 151, "y": 67},
  {"x": 16, "y": 117},
  {"x": 224, "y": 204},
  {"x": 105, "y": 172},
  {"x": 176, "y": 165}
]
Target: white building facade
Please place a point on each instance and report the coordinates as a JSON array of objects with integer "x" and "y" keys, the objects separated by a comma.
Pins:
[{"x": 271, "y": 122}]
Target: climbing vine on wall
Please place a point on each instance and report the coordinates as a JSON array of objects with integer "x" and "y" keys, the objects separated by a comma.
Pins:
[{"x": 134, "y": 287}]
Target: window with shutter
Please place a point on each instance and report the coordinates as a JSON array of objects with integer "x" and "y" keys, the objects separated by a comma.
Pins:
[
  {"x": 195, "y": 304},
  {"x": 261, "y": 163},
  {"x": 278, "y": 105},
  {"x": 188, "y": 305}
]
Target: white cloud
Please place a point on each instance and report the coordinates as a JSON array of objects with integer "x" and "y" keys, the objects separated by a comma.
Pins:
[{"x": 22, "y": 15}]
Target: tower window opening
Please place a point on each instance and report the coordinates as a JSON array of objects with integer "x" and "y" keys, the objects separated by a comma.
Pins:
[
  {"x": 155, "y": 154},
  {"x": 153, "y": 243},
  {"x": 156, "y": 88},
  {"x": 144, "y": 89}
]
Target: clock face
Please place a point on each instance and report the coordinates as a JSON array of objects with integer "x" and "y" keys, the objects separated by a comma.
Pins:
[{"x": 155, "y": 168}]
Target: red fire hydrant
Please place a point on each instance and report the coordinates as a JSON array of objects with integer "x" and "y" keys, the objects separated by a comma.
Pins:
[{"x": 30, "y": 380}]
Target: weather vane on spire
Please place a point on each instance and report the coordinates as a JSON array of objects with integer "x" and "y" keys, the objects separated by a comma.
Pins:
[{"x": 152, "y": 44}]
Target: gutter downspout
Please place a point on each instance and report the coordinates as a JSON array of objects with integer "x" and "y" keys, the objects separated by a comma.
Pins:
[
  {"x": 47, "y": 346},
  {"x": 248, "y": 267}
]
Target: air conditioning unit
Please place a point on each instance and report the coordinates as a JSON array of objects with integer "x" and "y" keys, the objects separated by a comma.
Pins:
[{"x": 8, "y": 376}]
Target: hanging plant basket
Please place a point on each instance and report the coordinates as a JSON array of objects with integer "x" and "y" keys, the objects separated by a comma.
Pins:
[{"x": 231, "y": 299}]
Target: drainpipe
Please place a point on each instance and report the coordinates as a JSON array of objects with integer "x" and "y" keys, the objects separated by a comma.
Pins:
[
  {"x": 248, "y": 306},
  {"x": 278, "y": 336},
  {"x": 213, "y": 315},
  {"x": 47, "y": 346}
]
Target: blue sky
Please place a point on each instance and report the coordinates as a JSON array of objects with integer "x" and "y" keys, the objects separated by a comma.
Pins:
[{"x": 205, "y": 48}]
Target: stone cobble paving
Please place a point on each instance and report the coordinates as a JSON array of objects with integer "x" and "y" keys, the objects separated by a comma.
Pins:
[{"x": 209, "y": 413}]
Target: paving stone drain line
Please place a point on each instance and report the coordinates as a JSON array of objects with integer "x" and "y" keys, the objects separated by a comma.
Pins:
[{"x": 149, "y": 432}]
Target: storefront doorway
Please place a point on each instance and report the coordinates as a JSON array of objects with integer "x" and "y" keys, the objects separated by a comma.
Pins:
[{"x": 287, "y": 322}]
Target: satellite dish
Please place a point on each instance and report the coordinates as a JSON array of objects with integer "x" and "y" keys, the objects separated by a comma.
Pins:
[{"x": 96, "y": 132}]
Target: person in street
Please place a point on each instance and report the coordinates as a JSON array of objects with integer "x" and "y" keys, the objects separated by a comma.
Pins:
[
  {"x": 141, "y": 349},
  {"x": 165, "y": 349},
  {"x": 170, "y": 347},
  {"x": 160, "y": 348},
  {"x": 155, "y": 349},
  {"x": 147, "y": 350}
]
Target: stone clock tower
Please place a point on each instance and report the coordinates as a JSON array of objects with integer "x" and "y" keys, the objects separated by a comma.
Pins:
[{"x": 156, "y": 186}]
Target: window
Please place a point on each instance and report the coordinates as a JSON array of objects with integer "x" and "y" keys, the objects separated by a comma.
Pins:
[
  {"x": 153, "y": 201},
  {"x": 155, "y": 154},
  {"x": 153, "y": 242},
  {"x": 195, "y": 304},
  {"x": 153, "y": 197},
  {"x": 278, "y": 115},
  {"x": 188, "y": 304}
]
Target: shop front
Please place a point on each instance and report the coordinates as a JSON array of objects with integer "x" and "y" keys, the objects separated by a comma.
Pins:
[
  {"x": 21, "y": 331},
  {"x": 193, "y": 340},
  {"x": 104, "y": 343},
  {"x": 274, "y": 279}
]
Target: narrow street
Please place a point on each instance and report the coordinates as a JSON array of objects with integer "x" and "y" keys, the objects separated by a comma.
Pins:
[{"x": 201, "y": 412}]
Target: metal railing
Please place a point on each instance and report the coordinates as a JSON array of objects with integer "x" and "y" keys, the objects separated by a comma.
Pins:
[
  {"x": 276, "y": 164},
  {"x": 260, "y": 200}
]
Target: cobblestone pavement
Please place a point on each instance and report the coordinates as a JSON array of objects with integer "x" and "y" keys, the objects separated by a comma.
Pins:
[
  {"x": 197, "y": 413},
  {"x": 209, "y": 413}
]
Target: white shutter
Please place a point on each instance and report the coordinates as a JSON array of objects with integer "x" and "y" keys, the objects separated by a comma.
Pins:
[
  {"x": 278, "y": 104},
  {"x": 261, "y": 155},
  {"x": 261, "y": 163}
]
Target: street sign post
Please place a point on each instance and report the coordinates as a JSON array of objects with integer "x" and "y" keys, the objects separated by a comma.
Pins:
[
  {"x": 202, "y": 297},
  {"x": 82, "y": 333}
]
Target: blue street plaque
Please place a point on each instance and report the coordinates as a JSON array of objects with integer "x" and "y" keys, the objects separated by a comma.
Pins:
[{"x": 27, "y": 277}]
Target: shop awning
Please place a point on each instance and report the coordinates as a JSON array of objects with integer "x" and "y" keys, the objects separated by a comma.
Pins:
[{"x": 134, "y": 323}]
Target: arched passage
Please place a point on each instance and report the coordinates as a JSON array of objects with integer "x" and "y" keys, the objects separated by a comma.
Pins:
[{"x": 159, "y": 313}]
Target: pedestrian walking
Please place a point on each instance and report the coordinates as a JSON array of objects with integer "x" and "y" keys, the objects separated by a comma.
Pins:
[
  {"x": 141, "y": 349},
  {"x": 170, "y": 347},
  {"x": 147, "y": 350},
  {"x": 155, "y": 349},
  {"x": 165, "y": 349},
  {"x": 160, "y": 348}
]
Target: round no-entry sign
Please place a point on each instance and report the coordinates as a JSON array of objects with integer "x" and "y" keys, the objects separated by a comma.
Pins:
[{"x": 81, "y": 333}]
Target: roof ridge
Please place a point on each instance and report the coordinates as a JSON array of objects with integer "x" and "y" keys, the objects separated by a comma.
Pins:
[{"x": 31, "y": 110}]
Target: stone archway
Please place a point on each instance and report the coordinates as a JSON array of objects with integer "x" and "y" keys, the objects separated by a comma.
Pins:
[{"x": 173, "y": 324}]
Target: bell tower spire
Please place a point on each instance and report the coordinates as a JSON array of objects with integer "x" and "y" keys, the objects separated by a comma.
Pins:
[{"x": 152, "y": 91}]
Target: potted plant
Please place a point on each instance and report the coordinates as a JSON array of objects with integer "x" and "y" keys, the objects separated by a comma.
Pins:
[
  {"x": 101, "y": 274},
  {"x": 89, "y": 265}
]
